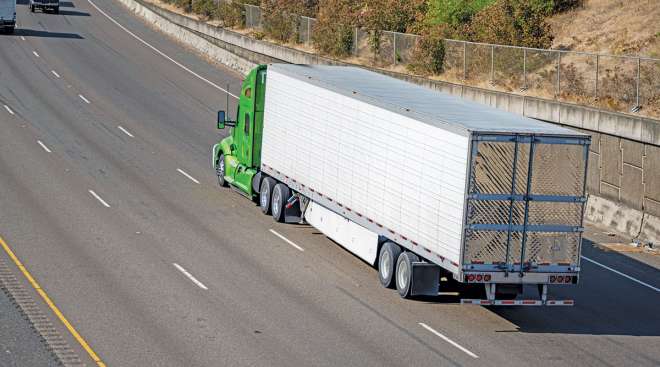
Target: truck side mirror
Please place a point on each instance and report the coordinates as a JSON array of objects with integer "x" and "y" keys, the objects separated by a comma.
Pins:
[{"x": 221, "y": 119}]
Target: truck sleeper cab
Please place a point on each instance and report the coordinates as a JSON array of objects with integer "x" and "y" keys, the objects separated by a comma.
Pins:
[{"x": 421, "y": 185}]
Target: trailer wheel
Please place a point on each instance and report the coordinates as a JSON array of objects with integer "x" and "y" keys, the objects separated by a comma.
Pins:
[
  {"x": 32, "y": 8},
  {"x": 265, "y": 192},
  {"x": 281, "y": 194},
  {"x": 220, "y": 171},
  {"x": 404, "y": 273},
  {"x": 389, "y": 253}
]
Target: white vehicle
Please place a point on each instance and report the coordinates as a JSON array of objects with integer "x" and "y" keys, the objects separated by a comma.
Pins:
[
  {"x": 421, "y": 184},
  {"x": 44, "y": 5},
  {"x": 7, "y": 15}
]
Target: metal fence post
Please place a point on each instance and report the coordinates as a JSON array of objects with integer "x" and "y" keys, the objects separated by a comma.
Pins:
[
  {"x": 355, "y": 44},
  {"x": 309, "y": 30},
  {"x": 639, "y": 67},
  {"x": 596, "y": 87},
  {"x": 464, "y": 61},
  {"x": 524, "y": 70},
  {"x": 492, "y": 64},
  {"x": 558, "y": 74},
  {"x": 394, "y": 36}
]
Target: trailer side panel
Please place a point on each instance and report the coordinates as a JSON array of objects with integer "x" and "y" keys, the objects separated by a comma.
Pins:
[{"x": 403, "y": 176}]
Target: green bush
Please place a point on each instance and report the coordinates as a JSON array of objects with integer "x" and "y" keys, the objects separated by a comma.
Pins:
[
  {"x": 333, "y": 39},
  {"x": 230, "y": 14},
  {"x": 280, "y": 18},
  {"x": 205, "y": 8},
  {"x": 429, "y": 53},
  {"x": 454, "y": 12},
  {"x": 511, "y": 22}
]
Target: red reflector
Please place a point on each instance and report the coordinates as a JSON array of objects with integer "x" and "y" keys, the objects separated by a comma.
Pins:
[
  {"x": 487, "y": 278},
  {"x": 560, "y": 279},
  {"x": 479, "y": 277},
  {"x": 477, "y": 262},
  {"x": 567, "y": 279},
  {"x": 508, "y": 302},
  {"x": 553, "y": 278},
  {"x": 529, "y": 302},
  {"x": 470, "y": 277}
]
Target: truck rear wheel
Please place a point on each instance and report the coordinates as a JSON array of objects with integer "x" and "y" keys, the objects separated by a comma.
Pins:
[
  {"x": 32, "y": 8},
  {"x": 265, "y": 192},
  {"x": 404, "y": 273},
  {"x": 389, "y": 253},
  {"x": 281, "y": 194}
]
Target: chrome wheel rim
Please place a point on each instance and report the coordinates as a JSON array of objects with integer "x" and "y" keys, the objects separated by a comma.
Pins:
[
  {"x": 385, "y": 264},
  {"x": 276, "y": 203},
  {"x": 264, "y": 196},
  {"x": 402, "y": 274}
]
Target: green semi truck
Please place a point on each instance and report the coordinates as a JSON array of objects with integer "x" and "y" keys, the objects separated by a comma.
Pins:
[{"x": 422, "y": 185}]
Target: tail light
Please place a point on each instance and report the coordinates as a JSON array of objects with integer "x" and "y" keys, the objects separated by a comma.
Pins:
[
  {"x": 487, "y": 278},
  {"x": 470, "y": 277}
]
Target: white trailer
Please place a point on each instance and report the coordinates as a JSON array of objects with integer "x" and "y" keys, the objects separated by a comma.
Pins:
[
  {"x": 7, "y": 15},
  {"x": 422, "y": 184}
]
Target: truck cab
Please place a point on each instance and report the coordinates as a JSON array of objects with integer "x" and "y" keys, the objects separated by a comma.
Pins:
[
  {"x": 53, "y": 5},
  {"x": 7, "y": 15},
  {"x": 237, "y": 157}
]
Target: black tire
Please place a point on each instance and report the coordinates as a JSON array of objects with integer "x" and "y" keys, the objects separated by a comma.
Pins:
[
  {"x": 281, "y": 194},
  {"x": 265, "y": 194},
  {"x": 10, "y": 30},
  {"x": 56, "y": 10},
  {"x": 404, "y": 273},
  {"x": 220, "y": 171},
  {"x": 389, "y": 253},
  {"x": 32, "y": 8}
]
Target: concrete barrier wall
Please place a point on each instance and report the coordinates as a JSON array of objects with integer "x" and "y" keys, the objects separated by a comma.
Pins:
[{"x": 624, "y": 160}]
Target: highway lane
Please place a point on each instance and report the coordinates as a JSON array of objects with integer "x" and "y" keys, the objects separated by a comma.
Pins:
[{"x": 111, "y": 270}]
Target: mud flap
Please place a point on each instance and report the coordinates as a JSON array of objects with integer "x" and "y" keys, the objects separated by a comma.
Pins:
[{"x": 425, "y": 279}]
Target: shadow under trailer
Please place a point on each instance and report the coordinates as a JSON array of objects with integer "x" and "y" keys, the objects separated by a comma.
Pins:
[{"x": 420, "y": 184}]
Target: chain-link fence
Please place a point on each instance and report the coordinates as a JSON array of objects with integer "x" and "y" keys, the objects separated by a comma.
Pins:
[{"x": 621, "y": 83}]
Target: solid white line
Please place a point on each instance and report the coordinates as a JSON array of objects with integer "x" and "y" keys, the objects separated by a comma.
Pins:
[
  {"x": 83, "y": 98},
  {"x": 35, "y": 53},
  {"x": 192, "y": 278},
  {"x": 622, "y": 274},
  {"x": 448, "y": 340},
  {"x": 161, "y": 53},
  {"x": 99, "y": 198},
  {"x": 9, "y": 110},
  {"x": 23, "y": 38},
  {"x": 44, "y": 146},
  {"x": 125, "y": 131},
  {"x": 287, "y": 240},
  {"x": 55, "y": 73},
  {"x": 187, "y": 175}
]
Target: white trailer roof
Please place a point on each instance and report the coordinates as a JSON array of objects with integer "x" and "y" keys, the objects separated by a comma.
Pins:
[{"x": 432, "y": 107}]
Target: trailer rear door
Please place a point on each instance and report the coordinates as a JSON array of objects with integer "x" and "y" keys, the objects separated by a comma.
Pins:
[{"x": 526, "y": 196}]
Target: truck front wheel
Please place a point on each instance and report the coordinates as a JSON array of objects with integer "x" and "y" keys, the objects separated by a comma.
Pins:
[
  {"x": 387, "y": 257},
  {"x": 220, "y": 171},
  {"x": 265, "y": 192},
  {"x": 404, "y": 277},
  {"x": 281, "y": 194}
]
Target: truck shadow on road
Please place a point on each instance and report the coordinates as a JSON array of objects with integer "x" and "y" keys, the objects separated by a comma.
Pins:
[
  {"x": 605, "y": 303},
  {"x": 45, "y": 34}
]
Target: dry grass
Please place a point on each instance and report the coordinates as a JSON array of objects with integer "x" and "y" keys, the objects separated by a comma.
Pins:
[{"x": 630, "y": 27}]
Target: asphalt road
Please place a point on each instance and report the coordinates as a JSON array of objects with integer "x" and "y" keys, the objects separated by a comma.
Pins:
[{"x": 106, "y": 221}]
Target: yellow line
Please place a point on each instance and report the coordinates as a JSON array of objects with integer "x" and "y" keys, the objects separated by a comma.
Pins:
[{"x": 50, "y": 304}]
